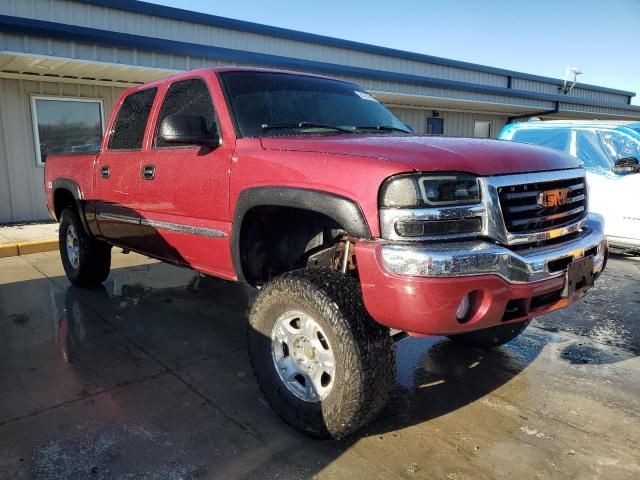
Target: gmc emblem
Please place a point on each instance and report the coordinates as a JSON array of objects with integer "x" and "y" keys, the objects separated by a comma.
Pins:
[{"x": 553, "y": 198}]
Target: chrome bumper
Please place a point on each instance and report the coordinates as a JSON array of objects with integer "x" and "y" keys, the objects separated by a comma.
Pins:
[{"x": 458, "y": 259}]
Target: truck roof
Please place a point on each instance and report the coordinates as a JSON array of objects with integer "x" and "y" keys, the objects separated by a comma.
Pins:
[{"x": 190, "y": 73}]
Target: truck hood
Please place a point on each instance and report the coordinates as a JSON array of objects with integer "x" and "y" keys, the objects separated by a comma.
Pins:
[{"x": 428, "y": 153}]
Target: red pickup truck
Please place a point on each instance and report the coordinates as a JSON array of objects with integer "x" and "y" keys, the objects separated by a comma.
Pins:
[{"x": 350, "y": 225}]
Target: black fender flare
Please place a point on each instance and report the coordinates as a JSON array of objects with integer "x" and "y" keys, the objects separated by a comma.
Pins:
[
  {"x": 74, "y": 188},
  {"x": 343, "y": 210}
]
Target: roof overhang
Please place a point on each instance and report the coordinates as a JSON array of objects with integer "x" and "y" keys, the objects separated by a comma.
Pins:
[
  {"x": 127, "y": 41},
  {"x": 26, "y": 66},
  {"x": 429, "y": 102},
  {"x": 45, "y": 68},
  {"x": 462, "y": 105}
]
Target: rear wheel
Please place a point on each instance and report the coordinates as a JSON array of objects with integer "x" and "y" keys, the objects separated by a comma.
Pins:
[
  {"x": 86, "y": 261},
  {"x": 490, "y": 337},
  {"x": 322, "y": 363}
]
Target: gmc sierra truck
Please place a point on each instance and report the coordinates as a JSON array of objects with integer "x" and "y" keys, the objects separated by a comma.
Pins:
[{"x": 310, "y": 190}]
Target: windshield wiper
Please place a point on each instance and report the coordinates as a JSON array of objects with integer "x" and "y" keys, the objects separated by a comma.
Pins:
[
  {"x": 385, "y": 128},
  {"x": 270, "y": 126}
]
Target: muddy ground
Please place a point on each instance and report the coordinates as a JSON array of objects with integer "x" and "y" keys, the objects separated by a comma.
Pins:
[{"x": 149, "y": 378}]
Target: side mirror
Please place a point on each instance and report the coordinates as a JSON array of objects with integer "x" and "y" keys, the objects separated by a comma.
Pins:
[
  {"x": 188, "y": 130},
  {"x": 626, "y": 165}
]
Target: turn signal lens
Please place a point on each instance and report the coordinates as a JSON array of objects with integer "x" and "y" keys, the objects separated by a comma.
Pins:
[{"x": 401, "y": 192}]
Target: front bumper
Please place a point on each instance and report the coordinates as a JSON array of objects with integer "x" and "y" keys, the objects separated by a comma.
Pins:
[{"x": 417, "y": 288}]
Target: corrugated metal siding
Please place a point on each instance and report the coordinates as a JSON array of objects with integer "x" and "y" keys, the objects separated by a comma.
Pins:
[
  {"x": 577, "y": 92},
  {"x": 456, "y": 124},
  {"x": 70, "y": 12},
  {"x": 43, "y": 46},
  {"x": 21, "y": 180},
  {"x": 589, "y": 110},
  {"x": 91, "y": 16}
]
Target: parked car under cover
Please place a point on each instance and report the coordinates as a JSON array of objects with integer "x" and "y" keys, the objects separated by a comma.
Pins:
[{"x": 610, "y": 151}]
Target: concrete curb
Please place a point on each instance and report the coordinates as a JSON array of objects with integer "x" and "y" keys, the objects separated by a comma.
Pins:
[{"x": 14, "y": 249}]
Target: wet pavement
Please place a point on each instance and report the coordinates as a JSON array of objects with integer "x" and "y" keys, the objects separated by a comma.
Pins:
[{"x": 148, "y": 377}]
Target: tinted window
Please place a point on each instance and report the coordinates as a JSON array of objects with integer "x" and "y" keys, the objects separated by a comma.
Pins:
[
  {"x": 132, "y": 120},
  {"x": 187, "y": 97},
  {"x": 260, "y": 98},
  {"x": 556, "y": 138}
]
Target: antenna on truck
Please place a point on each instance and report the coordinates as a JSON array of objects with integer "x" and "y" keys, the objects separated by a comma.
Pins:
[{"x": 568, "y": 85}]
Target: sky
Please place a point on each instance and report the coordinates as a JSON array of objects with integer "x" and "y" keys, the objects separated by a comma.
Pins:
[{"x": 540, "y": 37}]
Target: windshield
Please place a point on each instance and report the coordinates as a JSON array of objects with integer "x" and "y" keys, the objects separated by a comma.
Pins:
[
  {"x": 269, "y": 104},
  {"x": 557, "y": 139}
]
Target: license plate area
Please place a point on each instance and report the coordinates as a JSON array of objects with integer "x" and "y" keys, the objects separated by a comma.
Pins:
[{"x": 579, "y": 276}]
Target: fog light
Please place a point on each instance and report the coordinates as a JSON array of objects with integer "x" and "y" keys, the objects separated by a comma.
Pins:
[{"x": 463, "y": 308}]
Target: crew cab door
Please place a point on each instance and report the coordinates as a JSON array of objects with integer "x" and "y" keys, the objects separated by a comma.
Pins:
[
  {"x": 117, "y": 174},
  {"x": 185, "y": 215}
]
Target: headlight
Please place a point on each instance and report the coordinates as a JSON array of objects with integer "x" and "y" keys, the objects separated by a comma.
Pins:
[
  {"x": 428, "y": 207},
  {"x": 416, "y": 191}
]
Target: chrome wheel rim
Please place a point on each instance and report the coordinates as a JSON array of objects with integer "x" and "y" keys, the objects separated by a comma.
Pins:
[
  {"x": 302, "y": 356},
  {"x": 73, "y": 247}
]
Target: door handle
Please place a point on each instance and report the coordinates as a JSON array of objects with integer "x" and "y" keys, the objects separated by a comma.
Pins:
[
  {"x": 105, "y": 172},
  {"x": 148, "y": 172}
]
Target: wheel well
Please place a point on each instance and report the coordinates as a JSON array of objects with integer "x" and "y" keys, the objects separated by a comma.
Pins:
[
  {"x": 63, "y": 198},
  {"x": 274, "y": 240}
]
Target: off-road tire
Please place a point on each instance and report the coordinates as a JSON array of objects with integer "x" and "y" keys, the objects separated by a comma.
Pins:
[
  {"x": 94, "y": 255},
  {"x": 364, "y": 357},
  {"x": 490, "y": 337}
]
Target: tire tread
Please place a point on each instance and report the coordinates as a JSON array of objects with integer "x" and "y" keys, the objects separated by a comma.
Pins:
[{"x": 371, "y": 366}]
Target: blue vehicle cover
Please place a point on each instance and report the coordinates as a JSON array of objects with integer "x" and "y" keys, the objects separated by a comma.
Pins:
[{"x": 597, "y": 145}]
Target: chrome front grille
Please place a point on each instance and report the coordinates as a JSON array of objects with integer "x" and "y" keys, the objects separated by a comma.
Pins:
[{"x": 540, "y": 206}]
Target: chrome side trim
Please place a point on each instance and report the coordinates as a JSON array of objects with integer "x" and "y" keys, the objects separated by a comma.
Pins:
[
  {"x": 178, "y": 227},
  {"x": 174, "y": 227},
  {"x": 118, "y": 218},
  {"x": 465, "y": 258}
]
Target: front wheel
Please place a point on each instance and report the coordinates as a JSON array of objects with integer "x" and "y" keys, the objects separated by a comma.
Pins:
[
  {"x": 86, "y": 261},
  {"x": 490, "y": 337},
  {"x": 321, "y": 362}
]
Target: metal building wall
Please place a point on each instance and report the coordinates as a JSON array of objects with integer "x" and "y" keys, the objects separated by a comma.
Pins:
[
  {"x": 456, "y": 124},
  {"x": 111, "y": 19},
  {"x": 96, "y": 53},
  {"x": 75, "y": 13},
  {"x": 599, "y": 96},
  {"x": 21, "y": 179}
]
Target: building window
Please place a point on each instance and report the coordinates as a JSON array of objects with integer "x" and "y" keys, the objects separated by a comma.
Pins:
[
  {"x": 435, "y": 126},
  {"x": 481, "y": 129},
  {"x": 66, "y": 125}
]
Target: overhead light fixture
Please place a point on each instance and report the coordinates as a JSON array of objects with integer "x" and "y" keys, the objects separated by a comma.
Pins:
[{"x": 569, "y": 82}]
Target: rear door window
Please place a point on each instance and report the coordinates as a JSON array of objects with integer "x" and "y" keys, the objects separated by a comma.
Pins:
[
  {"x": 556, "y": 138},
  {"x": 131, "y": 121}
]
